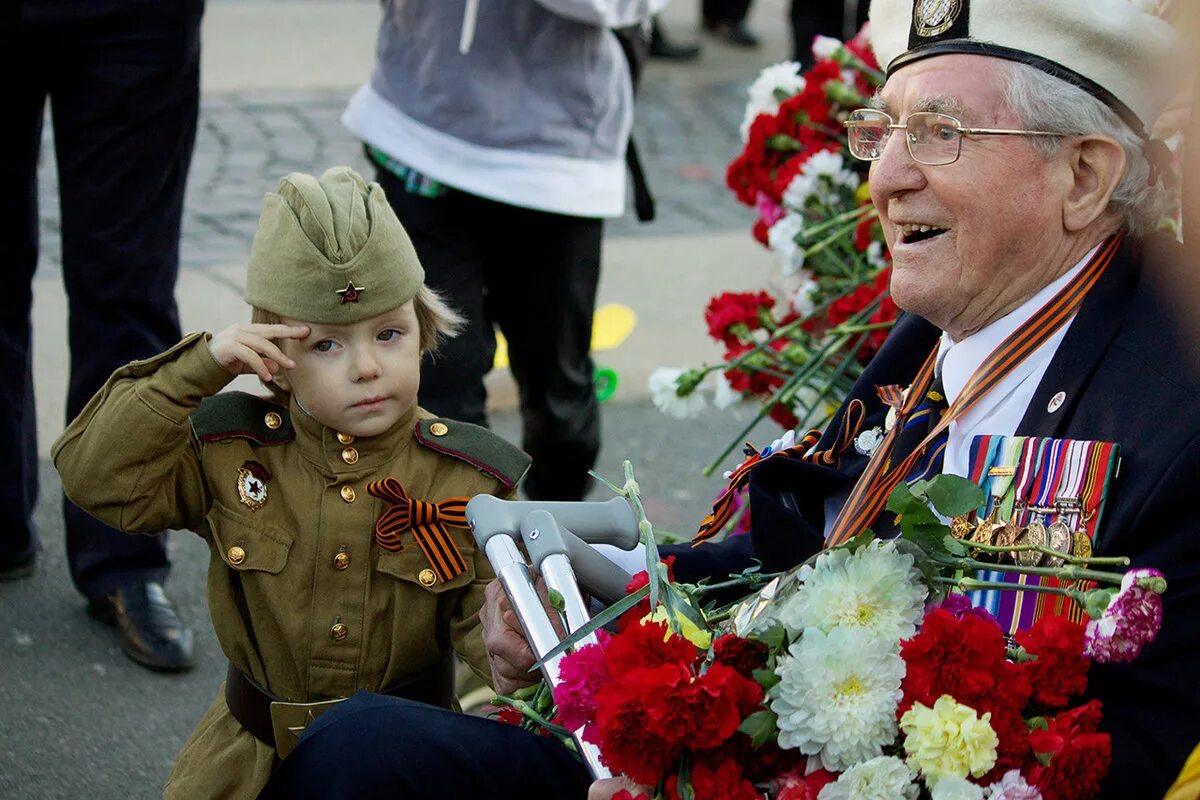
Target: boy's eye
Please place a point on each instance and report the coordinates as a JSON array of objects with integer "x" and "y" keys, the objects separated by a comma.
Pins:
[
  {"x": 389, "y": 334},
  {"x": 323, "y": 346}
]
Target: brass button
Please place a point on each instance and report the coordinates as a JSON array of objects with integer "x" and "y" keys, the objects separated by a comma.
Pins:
[
  {"x": 348, "y": 493},
  {"x": 439, "y": 429},
  {"x": 341, "y": 560},
  {"x": 272, "y": 420},
  {"x": 426, "y": 577},
  {"x": 236, "y": 555},
  {"x": 339, "y": 632},
  {"x": 345, "y": 438},
  {"x": 350, "y": 455}
]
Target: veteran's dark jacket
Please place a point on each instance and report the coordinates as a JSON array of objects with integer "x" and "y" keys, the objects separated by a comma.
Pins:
[
  {"x": 1129, "y": 366},
  {"x": 153, "y": 450}
]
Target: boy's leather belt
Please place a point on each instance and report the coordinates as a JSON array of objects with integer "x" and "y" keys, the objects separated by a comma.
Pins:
[{"x": 279, "y": 723}]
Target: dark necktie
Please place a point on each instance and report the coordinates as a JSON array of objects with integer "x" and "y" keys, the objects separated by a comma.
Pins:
[{"x": 917, "y": 427}]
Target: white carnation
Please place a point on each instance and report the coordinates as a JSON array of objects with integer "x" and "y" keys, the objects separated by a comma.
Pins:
[
  {"x": 822, "y": 177},
  {"x": 724, "y": 395},
  {"x": 664, "y": 386},
  {"x": 801, "y": 297},
  {"x": 876, "y": 590},
  {"x": 837, "y": 695},
  {"x": 875, "y": 255},
  {"x": 782, "y": 240},
  {"x": 778, "y": 79},
  {"x": 882, "y": 778},
  {"x": 951, "y": 787},
  {"x": 824, "y": 47}
]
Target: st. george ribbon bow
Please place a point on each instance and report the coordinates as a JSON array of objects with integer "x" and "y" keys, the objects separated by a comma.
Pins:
[{"x": 428, "y": 522}]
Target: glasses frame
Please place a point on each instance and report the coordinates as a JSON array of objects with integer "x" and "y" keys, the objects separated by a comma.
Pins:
[{"x": 958, "y": 126}]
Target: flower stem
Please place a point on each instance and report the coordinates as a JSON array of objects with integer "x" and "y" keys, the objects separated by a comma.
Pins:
[
  {"x": 972, "y": 585},
  {"x": 1120, "y": 561},
  {"x": 1070, "y": 573}
]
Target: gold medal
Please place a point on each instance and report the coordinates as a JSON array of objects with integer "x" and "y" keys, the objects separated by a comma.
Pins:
[
  {"x": 1082, "y": 545},
  {"x": 985, "y": 529},
  {"x": 1061, "y": 538},
  {"x": 1032, "y": 535},
  {"x": 960, "y": 527}
]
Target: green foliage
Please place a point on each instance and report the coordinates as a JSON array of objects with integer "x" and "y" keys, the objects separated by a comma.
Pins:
[{"x": 760, "y": 727}]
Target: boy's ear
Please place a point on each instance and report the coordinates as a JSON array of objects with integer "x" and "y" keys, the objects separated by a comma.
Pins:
[{"x": 281, "y": 380}]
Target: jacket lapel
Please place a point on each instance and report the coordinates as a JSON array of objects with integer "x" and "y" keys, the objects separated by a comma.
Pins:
[{"x": 1084, "y": 346}]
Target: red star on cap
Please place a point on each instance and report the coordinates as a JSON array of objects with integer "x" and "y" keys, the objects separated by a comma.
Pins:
[{"x": 350, "y": 293}]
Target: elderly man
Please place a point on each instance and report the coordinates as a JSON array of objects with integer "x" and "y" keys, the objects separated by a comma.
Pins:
[{"x": 1018, "y": 193}]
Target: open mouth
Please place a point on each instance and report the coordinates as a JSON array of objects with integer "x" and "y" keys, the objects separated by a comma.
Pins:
[{"x": 911, "y": 234}]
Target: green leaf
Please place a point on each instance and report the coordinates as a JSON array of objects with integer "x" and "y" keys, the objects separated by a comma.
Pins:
[
  {"x": 760, "y": 727},
  {"x": 955, "y": 547},
  {"x": 766, "y": 678},
  {"x": 599, "y": 621},
  {"x": 902, "y": 499},
  {"x": 926, "y": 535},
  {"x": 952, "y": 495},
  {"x": 774, "y": 637}
]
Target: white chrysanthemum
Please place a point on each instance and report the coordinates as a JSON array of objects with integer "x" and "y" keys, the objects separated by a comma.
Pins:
[
  {"x": 953, "y": 788},
  {"x": 764, "y": 94},
  {"x": 824, "y": 47},
  {"x": 664, "y": 392},
  {"x": 782, "y": 240},
  {"x": 882, "y": 778},
  {"x": 724, "y": 395},
  {"x": 837, "y": 695},
  {"x": 876, "y": 590}
]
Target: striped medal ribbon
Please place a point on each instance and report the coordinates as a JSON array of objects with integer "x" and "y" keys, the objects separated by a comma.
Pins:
[{"x": 869, "y": 495}]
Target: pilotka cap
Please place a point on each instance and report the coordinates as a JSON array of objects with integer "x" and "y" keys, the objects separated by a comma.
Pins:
[{"x": 330, "y": 250}]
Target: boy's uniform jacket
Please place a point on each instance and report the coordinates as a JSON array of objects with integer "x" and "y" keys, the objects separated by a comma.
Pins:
[{"x": 304, "y": 602}]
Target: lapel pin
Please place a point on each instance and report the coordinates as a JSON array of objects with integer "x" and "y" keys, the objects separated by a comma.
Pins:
[
  {"x": 1056, "y": 402},
  {"x": 252, "y": 485}
]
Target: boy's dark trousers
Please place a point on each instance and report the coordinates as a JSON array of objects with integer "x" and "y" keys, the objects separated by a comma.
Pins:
[
  {"x": 533, "y": 274},
  {"x": 122, "y": 80}
]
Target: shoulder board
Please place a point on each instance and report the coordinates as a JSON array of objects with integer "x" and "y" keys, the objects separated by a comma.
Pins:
[
  {"x": 237, "y": 415},
  {"x": 477, "y": 446}
]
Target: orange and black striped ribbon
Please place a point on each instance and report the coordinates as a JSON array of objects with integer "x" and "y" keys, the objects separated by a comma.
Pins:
[
  {"x": 869, "y": 495},
  {"x": 428, "y": 522},
  {"x": 722, "y": 510}
]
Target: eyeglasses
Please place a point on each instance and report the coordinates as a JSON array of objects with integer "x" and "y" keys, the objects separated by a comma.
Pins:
[{"x": 933, "y": 139}]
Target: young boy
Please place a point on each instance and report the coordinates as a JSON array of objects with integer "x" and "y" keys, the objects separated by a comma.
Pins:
[{"x": 335, "y": 512}]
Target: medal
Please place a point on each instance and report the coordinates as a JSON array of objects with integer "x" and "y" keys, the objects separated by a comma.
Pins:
[
  {"x": 960, "y": 527},
  {"x": 1061, "y": 538},
  {"x": 1032, "y": 535},
  {"x": 867, "y": 442},
  {"x": 1082, "y": 545},
  {"x": 985, "y": 529},
  {"x": 252, "y": 485}
]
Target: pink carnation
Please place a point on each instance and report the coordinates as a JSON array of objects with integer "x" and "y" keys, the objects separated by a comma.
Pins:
[
  {"x": 1013, "y": 787},
  {"x": 581, "y": 675},
  {"x": 769, "y": 211},
  {"x": 1131, "y": 620}
]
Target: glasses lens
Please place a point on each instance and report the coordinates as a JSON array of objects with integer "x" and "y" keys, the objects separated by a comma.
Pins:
[
  {"x": 933, "y": 138},
  {"x": 866, "y": 133}
]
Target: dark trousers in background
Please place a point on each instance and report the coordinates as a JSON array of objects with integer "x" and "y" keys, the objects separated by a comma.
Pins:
[
  {"x": 827, "y": 18},
  {"x": 532, "y": 274},
  {"x": 122, "y": 80},
  {"x": 374, "y": 746},
  {"x": 731, "y": 12}
]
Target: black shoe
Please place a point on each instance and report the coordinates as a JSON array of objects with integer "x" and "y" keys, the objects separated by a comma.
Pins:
[
  {"x": 17, "y": 570},
  {"x": 735, "y": 33},
  {"x": 662, "y": 47},
  {"x": 147, "y": 625}
]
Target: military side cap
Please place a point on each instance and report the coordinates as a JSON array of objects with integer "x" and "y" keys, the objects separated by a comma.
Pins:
[
  {"x": 237, "y": 415},
  {"x": 1112, "y": 49},
  {"x": 330, "y": 250},
  {"x": 477, "y": 446}
]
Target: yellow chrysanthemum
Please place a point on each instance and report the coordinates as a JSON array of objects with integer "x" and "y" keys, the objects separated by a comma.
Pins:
[
  {"x": 687, "y": 629},
  {"x": 948, "y": 739}
]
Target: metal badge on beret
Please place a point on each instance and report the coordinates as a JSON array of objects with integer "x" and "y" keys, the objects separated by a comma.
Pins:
[
  {"x": 252, "y": 485},
  {"x": 330, "y": 250},
  {"x": 934, "y": 17}
]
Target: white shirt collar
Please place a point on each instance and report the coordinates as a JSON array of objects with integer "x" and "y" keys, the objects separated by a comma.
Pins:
[{"x": 959, "y": 360}]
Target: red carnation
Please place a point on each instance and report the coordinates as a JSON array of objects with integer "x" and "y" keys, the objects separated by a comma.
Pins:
[
  {"x": 1079, "y": 754},
  {"x": 1060, "y": 671},
  {"x": 798, "y": 786},
  {"x": 720, "y": 699},
  {"x": 759, "y": 231},
  {"x": 731, "y": 309},
  {"x": 642, "y": 646},
  {"x": 723, "y": 781},
  {"x": 630, "y": 744},
  {"x": 742, "y": 655},
  {"x": 784, "y": 417},
  {"x": 961, "y": 657}
]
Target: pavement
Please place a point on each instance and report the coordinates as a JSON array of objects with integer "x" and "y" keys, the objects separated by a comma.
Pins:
[{"x": 77, "y": 719}]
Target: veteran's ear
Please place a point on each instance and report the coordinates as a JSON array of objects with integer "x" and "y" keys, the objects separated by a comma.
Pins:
[{"x": 1096, "y": 165}]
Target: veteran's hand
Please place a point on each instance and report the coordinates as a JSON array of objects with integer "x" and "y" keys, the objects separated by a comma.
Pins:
[
  {"x": 246, "y": 348},
  {"x": 509, "y": 655},
  {"x": 607, "y": 788}
]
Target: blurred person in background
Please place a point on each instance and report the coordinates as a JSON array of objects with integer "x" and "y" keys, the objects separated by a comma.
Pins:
[
  {"x": 840, "y": 19},
  {"x": 122, "y": 78},
  {"x": 727, "y": 20}
]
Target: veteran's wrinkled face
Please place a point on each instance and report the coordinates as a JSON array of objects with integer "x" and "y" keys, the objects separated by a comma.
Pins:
[
  {"x": 994, "y": 216},
  {"x": 358, "y": 378}
]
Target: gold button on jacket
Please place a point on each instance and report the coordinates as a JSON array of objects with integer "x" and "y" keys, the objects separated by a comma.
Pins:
[
  {"x": 174, "y": 476},
  {"x": 345, "y": 438},
  {"x": 426, "y": 577},
  {"x": 348, "y": 493},
  {"x": 272, "y": 420}
]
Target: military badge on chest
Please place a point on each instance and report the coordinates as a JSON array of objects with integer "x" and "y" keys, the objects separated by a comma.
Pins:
[{"x": 252, "y": 485}]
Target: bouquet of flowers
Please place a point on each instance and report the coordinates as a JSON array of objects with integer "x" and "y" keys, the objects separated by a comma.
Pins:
[
  {"x": 799, "y": 349},
  {"x": 864, "y": 674}
]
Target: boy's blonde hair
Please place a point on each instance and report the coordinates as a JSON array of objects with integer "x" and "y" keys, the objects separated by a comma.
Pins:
[{"x": 436, "y": 320}]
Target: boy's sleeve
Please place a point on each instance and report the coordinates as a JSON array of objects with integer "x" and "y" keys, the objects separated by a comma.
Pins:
[{"x": 130, "y": 458}]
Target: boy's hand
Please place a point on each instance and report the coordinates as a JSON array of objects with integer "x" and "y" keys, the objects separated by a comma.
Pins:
[{"x": 247, "y": 348}]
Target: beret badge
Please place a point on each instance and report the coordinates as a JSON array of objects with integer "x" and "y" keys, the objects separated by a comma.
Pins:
[{"x": 935, "y": 17}]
